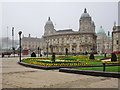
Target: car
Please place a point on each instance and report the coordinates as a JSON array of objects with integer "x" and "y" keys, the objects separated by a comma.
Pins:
[{"x": 116, "y": 52}]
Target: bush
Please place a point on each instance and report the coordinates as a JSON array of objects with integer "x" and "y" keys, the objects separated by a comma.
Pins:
[
  {"x": 53, "y": 57},
  {"x": 91, "y": 56},
  {"x": 105, "y": 55},
  {"x": 33, "y": 54},
  {"x": 113, "y": 57}
]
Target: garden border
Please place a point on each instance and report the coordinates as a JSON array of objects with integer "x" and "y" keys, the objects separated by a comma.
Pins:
[
  {"x": 57, "y": 67},
  {"x": 92, "y": 73}
]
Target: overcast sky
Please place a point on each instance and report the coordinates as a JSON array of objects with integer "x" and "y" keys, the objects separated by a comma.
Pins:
[{"x": 31, "y": 17}]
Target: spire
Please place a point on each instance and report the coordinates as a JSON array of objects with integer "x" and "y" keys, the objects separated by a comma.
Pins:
[
  {"x": 48, "y": 18},
  {"x": 85, "y": 10}
]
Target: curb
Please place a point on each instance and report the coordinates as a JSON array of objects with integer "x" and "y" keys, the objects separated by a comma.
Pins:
[
  {"x": 57, "y": 67},
  {"x": 92, "y": 73}
]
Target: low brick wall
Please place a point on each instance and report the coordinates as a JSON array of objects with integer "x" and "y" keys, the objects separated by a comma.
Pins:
[{"x": 93, "y": 73}]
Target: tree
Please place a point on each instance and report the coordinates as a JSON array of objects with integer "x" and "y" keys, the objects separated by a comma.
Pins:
[
  {"x": 66, "y": 51},
  {"x": 53, "y": 57},
  {"x": 105, "y": 55},
  {"x": 91, "y": 56},
  {"x": 113, "y": 57},
  {"x": 33, "y": 54}
]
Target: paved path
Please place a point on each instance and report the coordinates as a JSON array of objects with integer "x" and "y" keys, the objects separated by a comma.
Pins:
[{"x": 17, "y": 76}]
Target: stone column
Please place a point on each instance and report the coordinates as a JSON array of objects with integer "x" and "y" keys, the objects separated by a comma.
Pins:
[{"x": 71, "y": 41}]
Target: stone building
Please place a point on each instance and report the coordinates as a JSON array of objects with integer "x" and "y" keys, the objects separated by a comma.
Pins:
[
  {"x": 116, "y": 38},
  {"x": 78, "y": 42},
  {"x": 31, "y": 43},
  {"x": 104, "y": 42}
]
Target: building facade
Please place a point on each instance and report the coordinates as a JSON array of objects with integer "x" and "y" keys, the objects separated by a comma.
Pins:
[
  {"x": 104, "y": 42},
  {"x": 31, "y": 43},
  {"x": 116, "y": 38},
  {"x": 77, "y": 42}
]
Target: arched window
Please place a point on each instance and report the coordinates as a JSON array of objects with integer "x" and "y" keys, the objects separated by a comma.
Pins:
[
  {"x": 58, "y": 41},
  {"x": 67, "y": 41},
  {"x": 63, "y": 41}
]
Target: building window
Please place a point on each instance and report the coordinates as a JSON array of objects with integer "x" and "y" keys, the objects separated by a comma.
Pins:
[
  {"x": 67, "y": 41},
  {"x": 116, "y": 35},
  {"x": 58, "y": 41},
  {"x": 62, "y": 41},
  {"x": 86, "y": 39},
  {"x": 54, "y": 41},
  {"x": 117, "y": 42},
  {"x": 61, "y": 49},
  {"x": 74, "y": 41}
]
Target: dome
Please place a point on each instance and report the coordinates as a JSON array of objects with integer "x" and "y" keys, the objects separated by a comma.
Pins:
[
  {"x": 85, "y": 14},
  {"x": 109, "y": 35},
  {"x": 49, "y": 22},
  {"x": 101, "y": 30}
]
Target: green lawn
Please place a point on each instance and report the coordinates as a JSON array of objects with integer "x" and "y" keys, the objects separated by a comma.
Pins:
[
  {"x": 92, "y": 62},
  {"x": 108, "y": 69}
]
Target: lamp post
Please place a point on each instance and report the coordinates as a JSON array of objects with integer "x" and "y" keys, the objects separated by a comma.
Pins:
[
  {"x": 38, "y": 51},
  {"x": 20, "y": 32},
  {"x": 7, "y": 38},
  {"x": 108, "y": 41}
]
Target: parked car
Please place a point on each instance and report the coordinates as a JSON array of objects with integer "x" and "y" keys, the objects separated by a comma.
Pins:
[{"x": 116, "y": 52}]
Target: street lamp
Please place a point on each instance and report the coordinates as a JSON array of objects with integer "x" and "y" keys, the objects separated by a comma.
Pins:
[
  {"x": 40, "y": 53},
  {"x": 108, "y": 41},
  {"x": 20, "y": 32}
]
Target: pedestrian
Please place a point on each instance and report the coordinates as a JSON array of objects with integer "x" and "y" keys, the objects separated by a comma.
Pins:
[{"x": 2, "y": 55}]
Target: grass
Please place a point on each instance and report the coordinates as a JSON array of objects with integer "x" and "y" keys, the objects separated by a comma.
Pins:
[
  {"x": 92, "y": 62},
  {"x": 107, "y": 69}
]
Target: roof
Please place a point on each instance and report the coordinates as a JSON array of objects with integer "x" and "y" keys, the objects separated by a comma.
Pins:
[
  {"x": 31, "y": 38},
  {"x": 67, "y": 30},
  {"x": 85, "y": 14},
  {"x": 101, "y": 30},
  {"x": 49, "y": 22},
  {"x": 109, "y": 35}
]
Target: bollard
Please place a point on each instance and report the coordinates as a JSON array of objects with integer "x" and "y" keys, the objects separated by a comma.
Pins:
[{"x": 103, "y": 67}]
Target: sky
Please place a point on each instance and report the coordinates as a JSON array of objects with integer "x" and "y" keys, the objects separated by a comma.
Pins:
[{"x": 30, "y": 17}]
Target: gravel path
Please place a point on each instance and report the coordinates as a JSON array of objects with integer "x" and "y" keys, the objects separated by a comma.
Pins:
[{"x": 17, "y": 76}]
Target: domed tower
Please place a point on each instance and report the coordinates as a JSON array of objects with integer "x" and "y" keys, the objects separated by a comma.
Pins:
[
  {"x": 49, "y": 27},
  {"x": 101, "y": 39},
  {"x": 85, "y": 23}
]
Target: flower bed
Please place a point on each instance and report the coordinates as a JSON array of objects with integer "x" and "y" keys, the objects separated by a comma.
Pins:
[
  {"x": 109, "y": 62},
  {"x": 57, "y": 64},
  {"x": 48, "y": 62}
]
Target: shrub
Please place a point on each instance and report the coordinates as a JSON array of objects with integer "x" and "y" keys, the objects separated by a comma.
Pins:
[
  {"x": 53, "y": 57},
  {"x": 113, "y": 57},
  {"x": 105, "y": 55},
  {"x": 33, "y": 54},
  {"x": 92, "y": 56}
]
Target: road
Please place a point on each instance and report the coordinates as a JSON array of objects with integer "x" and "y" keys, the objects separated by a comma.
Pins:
[{"x": 17, "y": 76}]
